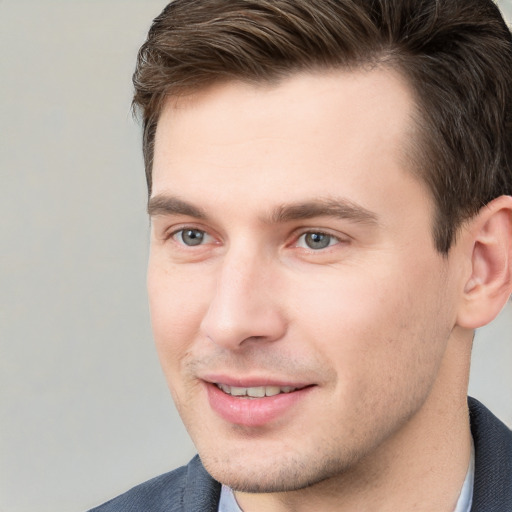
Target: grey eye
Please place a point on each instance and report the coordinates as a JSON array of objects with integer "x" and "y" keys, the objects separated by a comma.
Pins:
[
  {"x": 317, "y": 240},
  {"x": 191, "y": 236}
]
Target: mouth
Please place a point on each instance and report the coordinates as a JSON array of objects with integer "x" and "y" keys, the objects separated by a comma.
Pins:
[
  {"x": 256, "y": 406},
  {"x": 257, "y": 391}
]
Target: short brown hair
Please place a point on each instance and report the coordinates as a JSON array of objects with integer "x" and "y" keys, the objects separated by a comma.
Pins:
[{"x": 457, "y": 55}]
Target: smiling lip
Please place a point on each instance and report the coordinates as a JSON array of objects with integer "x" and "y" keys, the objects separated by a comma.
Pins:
[{"x": 252, "y": 403}]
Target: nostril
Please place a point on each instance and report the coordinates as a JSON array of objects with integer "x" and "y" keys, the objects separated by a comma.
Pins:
[{"x": 249, "y": 338}]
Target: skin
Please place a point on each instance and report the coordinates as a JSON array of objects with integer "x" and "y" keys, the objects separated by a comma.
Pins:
[{"x": 370, "y": 322}]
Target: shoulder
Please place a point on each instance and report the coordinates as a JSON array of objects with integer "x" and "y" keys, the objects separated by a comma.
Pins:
[
  {"x": 188, "y": 488},
  {"x": 493, "y": 460}
]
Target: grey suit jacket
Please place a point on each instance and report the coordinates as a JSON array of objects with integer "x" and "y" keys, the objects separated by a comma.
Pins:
[{"x": 192, "y": 489}]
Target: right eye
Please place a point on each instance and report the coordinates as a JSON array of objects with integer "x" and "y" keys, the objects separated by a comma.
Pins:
[{"x": 191, "y": 237}]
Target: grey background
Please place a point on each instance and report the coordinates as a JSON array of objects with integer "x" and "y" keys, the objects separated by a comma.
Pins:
[{"x": 84, "y": 409}]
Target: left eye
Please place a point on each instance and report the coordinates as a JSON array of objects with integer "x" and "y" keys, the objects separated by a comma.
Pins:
[
  {"x": 316, "y": 240},
  {"x": 191, "y": 237}
]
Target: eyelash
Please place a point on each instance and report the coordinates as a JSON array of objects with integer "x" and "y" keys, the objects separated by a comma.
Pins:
[{"x": 322, "y": 235}]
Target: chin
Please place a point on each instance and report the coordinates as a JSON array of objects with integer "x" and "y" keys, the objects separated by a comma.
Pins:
[{"x": 268, "y": 475}]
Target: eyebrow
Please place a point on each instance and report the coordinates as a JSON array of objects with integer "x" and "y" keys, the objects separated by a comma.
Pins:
[
  {"x": 169, "y": 205},
  {"x": 338, "y": 208}
]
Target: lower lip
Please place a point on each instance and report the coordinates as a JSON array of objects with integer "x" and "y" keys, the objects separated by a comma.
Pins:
[{"x": 252, "y": 412}]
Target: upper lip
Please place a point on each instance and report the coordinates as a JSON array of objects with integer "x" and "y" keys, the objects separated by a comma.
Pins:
[{"x": 254, "y": 382}]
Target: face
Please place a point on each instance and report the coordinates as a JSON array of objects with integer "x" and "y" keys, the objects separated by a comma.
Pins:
[{"x": 300, "y": 311}]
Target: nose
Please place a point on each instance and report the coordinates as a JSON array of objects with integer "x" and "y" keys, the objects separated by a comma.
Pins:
[{"x": 244, "y": 307}]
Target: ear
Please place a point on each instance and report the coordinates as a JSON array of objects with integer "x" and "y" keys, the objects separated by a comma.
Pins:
[{"x": 490, "y": 252}]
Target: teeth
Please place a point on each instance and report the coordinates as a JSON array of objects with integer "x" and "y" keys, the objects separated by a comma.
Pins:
[
  {"x": 255, "y": 392},
  {"x": 238, "y": 391},
  {"x": 272, "y": 390}
]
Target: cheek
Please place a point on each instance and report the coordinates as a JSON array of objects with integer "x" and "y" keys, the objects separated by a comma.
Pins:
[
  {"x": 382, "y": 346},
  {"x": 345, "y": 307},
  {"x": 177, "y": 302},
  {"x": 375, "y": 329}
]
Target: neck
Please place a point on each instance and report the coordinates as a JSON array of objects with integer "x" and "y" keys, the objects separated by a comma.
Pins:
[{"x": 421, "y": 467}]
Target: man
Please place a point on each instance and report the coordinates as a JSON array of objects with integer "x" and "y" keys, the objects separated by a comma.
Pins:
[{"x": 330, "y": 190}]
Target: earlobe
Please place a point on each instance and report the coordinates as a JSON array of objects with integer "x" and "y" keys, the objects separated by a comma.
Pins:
[{"x": 489, "y": 286}]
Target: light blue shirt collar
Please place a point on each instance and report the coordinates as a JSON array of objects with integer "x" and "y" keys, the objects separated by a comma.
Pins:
[
  {"x": 228, "y": 502},
  {"x": 466, "y": 494}
]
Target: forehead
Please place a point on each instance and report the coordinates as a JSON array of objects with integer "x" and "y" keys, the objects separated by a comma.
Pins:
[
  {"x": 315, "y": 97},
  {"x": 291, "y": 138}
]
